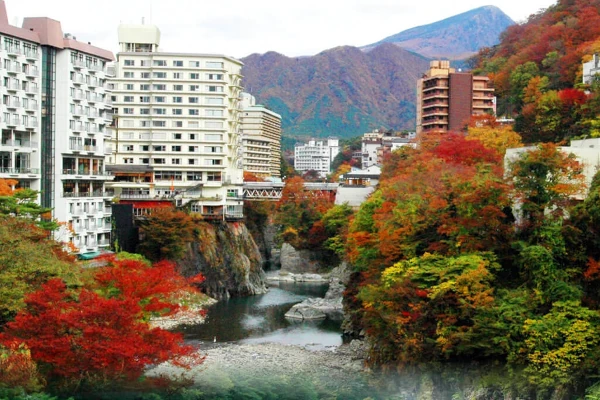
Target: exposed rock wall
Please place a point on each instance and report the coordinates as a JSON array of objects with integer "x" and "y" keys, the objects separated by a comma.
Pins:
[
  {"x": 298, "y": 261},
  {"x": 228, "y": 257}
]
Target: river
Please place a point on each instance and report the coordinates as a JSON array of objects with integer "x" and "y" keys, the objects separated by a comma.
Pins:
[{"x": 260, "y": 319}]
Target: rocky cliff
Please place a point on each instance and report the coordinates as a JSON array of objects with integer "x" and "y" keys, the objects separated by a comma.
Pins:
[{"x": 228, "y": 257}]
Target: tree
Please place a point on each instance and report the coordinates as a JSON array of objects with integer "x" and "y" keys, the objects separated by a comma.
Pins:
[
  {"x": 166, "y": 233},
  {"x": 492, "y": 135},
  {"x": 23, "y": 203},
  {"x": 81, "y": 340},
  {"x": 28, "y": 259}
]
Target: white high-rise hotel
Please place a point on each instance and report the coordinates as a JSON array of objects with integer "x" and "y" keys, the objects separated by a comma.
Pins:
[
  {"x": 53, "y": 119},
  {"x": 176, "y": 134}
]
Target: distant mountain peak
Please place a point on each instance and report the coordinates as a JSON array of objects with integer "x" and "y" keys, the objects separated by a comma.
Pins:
[{"x": 456, "y": 37}]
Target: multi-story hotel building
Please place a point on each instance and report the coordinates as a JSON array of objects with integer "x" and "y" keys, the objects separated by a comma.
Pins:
[
  {"x": 317, "y": 155},
  {"x": 261, "y": 138},
  {"x": 54, "y": 115},
  {"x": 176, "y": 131},
  {"x": 446, "y": 99}
]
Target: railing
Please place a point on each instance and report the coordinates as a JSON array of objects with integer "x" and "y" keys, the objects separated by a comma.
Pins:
[
  {"x": 32, "y": 71},
  {"x": 12, "y": 68},
  {"x": 31, "y": 124},
  {"x": 14, "y": 104},
  {"x": 13, "y": 86},
  {"x": 78, "y": 79},
  {"x": 31, "y": 106},
  {"x": 96, "y": 67},
  {"x": 125, "y": 195},
  {"x": 13, "y": 49},
  {"x": 79, "y": 63},
  {"x": 19, "y": 170},
  {"x": 32, "y": 55},
  {"x": 104, "y": 242},
  {"x": 78, "y": 96},
  {"x": 89, "y": 194},
  {"x": 86, "y": 172}
]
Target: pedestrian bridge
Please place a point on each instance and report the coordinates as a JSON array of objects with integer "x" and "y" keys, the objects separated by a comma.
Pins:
[{"x": 272, "y": 190}]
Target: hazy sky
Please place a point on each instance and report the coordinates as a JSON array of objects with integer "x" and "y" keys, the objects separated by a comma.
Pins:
[{"x": 239, "y": 28}]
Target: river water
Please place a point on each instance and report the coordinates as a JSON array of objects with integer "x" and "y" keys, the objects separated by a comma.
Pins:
[{"x": 260, "y": 319}]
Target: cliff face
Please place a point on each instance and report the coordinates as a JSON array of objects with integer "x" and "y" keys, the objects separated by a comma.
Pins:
[{"x": 229, "y": 258}]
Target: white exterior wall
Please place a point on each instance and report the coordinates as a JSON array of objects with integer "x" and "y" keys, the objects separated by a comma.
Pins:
[
  {"x": 590, "y": 69},
  {"x": 20, "y": 111},
  {"x": 81, "y": 117},
  {"x": 316, "y": 155},
  {"x": 178, "y": 117}
]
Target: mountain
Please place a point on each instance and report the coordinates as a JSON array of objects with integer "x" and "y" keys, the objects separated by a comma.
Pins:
[
  {"x": 342, "y": 91},
  {"x": 347, "y": 91},
  {"x": 457, "y": 37}
]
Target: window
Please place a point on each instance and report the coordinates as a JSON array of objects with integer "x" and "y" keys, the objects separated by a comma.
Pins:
[
  {"x": 212, "y": 137},
  {"x": 193, "y": 124},
  {"x": 178, "y": 99},
  {"x": 177, "y": 136},
  {"x": 128, "y": 160},
  {"x": 177, "y": 111},
  {"x": 177, "y": 63},
  {"x": 145, "y": 87},
  {"x": 159, "y": 111},
  {"x": 192, "y": 136},
  {"x": 213, "y": 162},
  {"x": 145, "y": 75},
  {"x": 214, "y": 113},
  {"x": 160, "y": 75},
  {"x": 194, "y": 88},
  {"x": 194, "y": 64},
  {"x": 128, "y": 86},
  {"x": 128, "y": 74},
  {"x": 158, "y": 161},
  {"x": 192, "y": 161},
  {"x": 177, "y": 124},
  {"x": 194, "y": 100},
  {"x": 145, "y": 63},
  {"x": 128, "y": 99},
  {"x": 214, "y": 77},
  {"x": 144, "y": 111},
  {"x": 214, "y": 64},
  {"x": 175, "y": 148},
  {"x": 159, "y": 124},
  {"x": 129, "y": 63},
  {"x": 216, "y": 89},
  {"x": 178, "y": 87},
  {"x": 144, "y": 160},
  {"x": 144, "y": 99},
  {"x": 214, "y": 101},
  {"x": 193, "y": 111},
  {"x": 213, "y": 124},
  {"x": 176, "y": 161},
  {"x": 159, "y": 148},
  {"x": 177, "y": 75},
  {"x": 194, "y": 75},
  {"x": 145, "y": 147},
  {"x": 128, "y": 147},
  {"x": 213, "y": 176},
  {"x": 192, "y": 149},
  {"x": 159, "y": 63},
  {"x": 213, "y": 149},
  {"x": 159, "y": 87},
  {"x": 159, "y": 99},
  {"x": 128, "y": 111}
]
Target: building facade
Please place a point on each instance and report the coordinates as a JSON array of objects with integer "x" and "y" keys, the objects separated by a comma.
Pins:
[
  {"x": 447, "y": 98},
  {"x": 316, "y": 155},
  {"x": 261, "y": 138},
  {"x": 176, "y": 134},
  {"x": 53, "y": 126},
  {"x": 590, "y": 69}
]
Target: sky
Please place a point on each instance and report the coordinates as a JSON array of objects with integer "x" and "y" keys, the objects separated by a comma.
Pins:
[{"x": 239, "y": 28}]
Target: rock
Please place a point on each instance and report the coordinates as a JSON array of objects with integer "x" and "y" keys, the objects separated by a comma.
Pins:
[
  {"x": 283, "y": 276},
  {"x": 297, "y": 261},
  {"x": 303, "y": 312}
]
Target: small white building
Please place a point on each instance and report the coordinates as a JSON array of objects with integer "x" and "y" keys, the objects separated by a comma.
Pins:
[
  {"x": 317, "y": 155},
  {"x": 590, "y": 69}
]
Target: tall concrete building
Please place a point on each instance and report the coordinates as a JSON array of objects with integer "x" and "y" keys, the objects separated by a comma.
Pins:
[
  {"x": 261, "y": 138},
  {"x": 447, "y": 98},
  {"x": 316, "y": 155},
  {"x": 176, "y": 135},
  {"x": 54, "y": 115},
  {"x": 591, "y": 69}
]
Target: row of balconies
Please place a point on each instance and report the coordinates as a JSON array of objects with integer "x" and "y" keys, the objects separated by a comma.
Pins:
[
  {"x": 30, "y": 105},
  {"x": 79, "y": 64},
  {"x": 15, "y": 121},
  {"x": 17, "y": 50},
  {"x": 20, "y": 143},
  {"x": 86, "y": 172}
]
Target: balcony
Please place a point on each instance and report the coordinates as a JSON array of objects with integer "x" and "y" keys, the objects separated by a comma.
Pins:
[
  {"x": 78, "y": 64},
  {"x": 89, "y": 194},
  {"x": 20, "y": 143},
  {"x": 78, "y": 96},
  {"x": 12, "y": 69},
  {"x": 30, "y": 54},
  {"x": 77, "y": 128},
  {"x": 86, "y": 172},
  {"x": 78, "y": 80},
  {"x": 13, "y": 121},
  {"x": 103, "y": 243},
  {"x": 13, "y": 86},
  {"x": 13, "y": 103},
  {"x": 12, "y": 50},
  {"x": 96, "y": 68},
  {"x": 14, "y": 171},
  {"x": 93, "y": 83},
  {"x": 90, "y": 149},
  {"x": 31, "y": 124},
  {"x": 31, "y": 106},
  {"x": 32, "y": 72}
]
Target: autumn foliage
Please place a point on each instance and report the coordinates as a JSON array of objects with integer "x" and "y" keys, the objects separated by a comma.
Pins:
[{"x": 98, "y": 336}]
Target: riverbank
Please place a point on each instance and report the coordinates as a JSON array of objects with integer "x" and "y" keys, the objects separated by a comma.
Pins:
[{"x": 338, "y": 369}]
